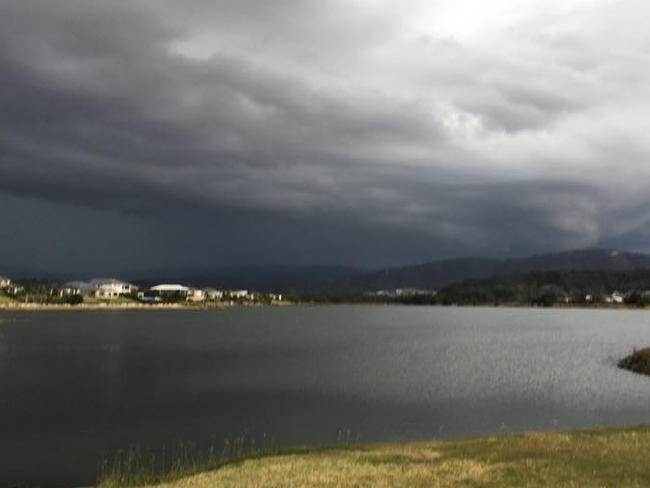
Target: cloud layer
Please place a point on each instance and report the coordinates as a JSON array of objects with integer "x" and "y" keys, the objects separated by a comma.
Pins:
[{"x": 417, "y": 131}]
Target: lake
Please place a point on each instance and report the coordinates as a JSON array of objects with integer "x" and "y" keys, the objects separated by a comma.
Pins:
[{"x": 77, "y": 386}]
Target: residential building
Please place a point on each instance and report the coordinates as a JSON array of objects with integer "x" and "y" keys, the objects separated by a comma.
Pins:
[
  {"x": 615, "y": 297},
  {"x": 4, "y": 282},
  {"x": 13, "y": 289},
  {"x": 111, "y": 288},
  {"x": 213, "y": 294},
  {"x": 240, "y": 294},
  {"x": 171, "y": 288},
  {"x": 195, "y": 295}
]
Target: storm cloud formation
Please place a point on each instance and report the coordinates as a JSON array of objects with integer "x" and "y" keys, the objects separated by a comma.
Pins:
[{"x": 347, "y": 131}]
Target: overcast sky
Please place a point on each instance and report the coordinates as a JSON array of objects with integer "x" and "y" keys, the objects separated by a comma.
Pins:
[{"x": 157, "y": 133}]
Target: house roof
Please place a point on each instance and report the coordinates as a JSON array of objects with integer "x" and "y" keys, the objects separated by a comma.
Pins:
[{"x": 169, "y": 287}]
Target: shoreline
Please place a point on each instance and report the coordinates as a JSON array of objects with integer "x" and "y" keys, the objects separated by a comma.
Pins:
[
  {"x": 121, "y": 306},
  {"x": 63, "y": 307}
]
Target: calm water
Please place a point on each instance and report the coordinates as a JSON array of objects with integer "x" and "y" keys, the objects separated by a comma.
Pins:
[{"x": 74, "y": 387}]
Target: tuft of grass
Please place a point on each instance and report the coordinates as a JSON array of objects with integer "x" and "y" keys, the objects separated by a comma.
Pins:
[
  {"x": 638, "y": 361},
  {"x": 138, "y": 467},
  {"x": 600, "y": 458}
]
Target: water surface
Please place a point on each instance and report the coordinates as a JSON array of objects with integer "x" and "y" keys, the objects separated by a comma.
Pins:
[{"x": 76, "y": 386}]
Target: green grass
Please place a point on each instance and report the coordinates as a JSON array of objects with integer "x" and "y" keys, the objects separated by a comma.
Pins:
[
  {"x": 90, "y": 300},
  {"x": 600, "y": 458}
]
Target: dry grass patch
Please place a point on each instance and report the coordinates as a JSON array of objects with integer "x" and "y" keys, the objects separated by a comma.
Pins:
[
  {"x": 383, "y": 468},
  {"x": 604, "y": 458}
]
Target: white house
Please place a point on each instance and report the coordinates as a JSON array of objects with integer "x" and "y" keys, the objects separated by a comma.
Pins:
[
  {"x": 167, "y": 288},
  {"x": 617, "y": 297},
  {"x": 238, "y": 293},
  {"x": 213, "y": 294},
  {"x": 4, "y": 282},
  {"x": 171, "y": 291},
  {"x": 195, "y": 295},
  {"x": 68, "y": 290},
  {"x": 111, "y": 288}
]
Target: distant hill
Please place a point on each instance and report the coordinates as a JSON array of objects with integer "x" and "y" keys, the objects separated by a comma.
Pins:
[{"x": 439, "y": 274}]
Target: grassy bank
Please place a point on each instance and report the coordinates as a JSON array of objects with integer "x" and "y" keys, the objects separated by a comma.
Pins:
[
  {"x": 9, "y": 305},
  {"x": 601, "y": 458},
  {"x": 638, "y": 361},
  {"x": 131, "y": 305}
]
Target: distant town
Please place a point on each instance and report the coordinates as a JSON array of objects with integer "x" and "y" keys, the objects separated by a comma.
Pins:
[
  {"x": 115, "y": 291},
  {"x": 591, "y": 277}
]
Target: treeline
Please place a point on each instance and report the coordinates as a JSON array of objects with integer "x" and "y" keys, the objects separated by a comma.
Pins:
[
  {"x": 539, "y": 288},
  {"x": 41, "y": 292},
  {"x": 546, "y": 289}
]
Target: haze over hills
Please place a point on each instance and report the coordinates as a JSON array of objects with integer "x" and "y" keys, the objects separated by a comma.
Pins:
[
  {"x": 432, "y": 275},
  {"x": 438, "y": 274}
]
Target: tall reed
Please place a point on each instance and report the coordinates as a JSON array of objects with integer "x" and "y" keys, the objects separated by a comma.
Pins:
[{"x": 137, "y": 466}]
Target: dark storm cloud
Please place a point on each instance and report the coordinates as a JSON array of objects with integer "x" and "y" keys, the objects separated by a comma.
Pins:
[
  {"x": 340, "y": 118},
  {"x": 79, "y": 105}
]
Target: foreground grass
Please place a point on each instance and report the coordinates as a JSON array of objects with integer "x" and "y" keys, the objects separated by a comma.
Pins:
[{"x": 603, "y": 458}]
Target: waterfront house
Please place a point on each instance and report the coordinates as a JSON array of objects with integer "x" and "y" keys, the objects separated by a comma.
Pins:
[
  {"x": 617, "y": 297},
  {"x": 171, "y": 288},
  {"x": 171, "y": 292},
  {"x": 239, "y": 294},
  {"x": 213, "y": 294},
  {"x": 111, "y": 288},
  {"x": 195, "y": 295}
]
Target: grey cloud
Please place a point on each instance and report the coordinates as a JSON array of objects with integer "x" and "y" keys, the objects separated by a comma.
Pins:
[{"x": 161, "y": 120}]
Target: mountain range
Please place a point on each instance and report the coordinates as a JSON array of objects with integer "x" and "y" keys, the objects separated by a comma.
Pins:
[{"x": 438, "y": 274}]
